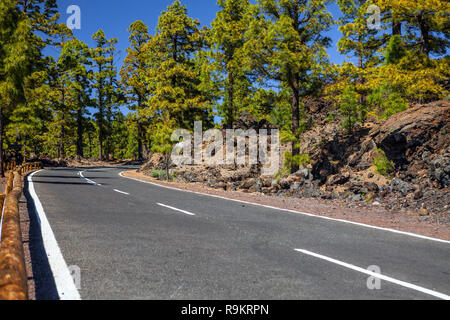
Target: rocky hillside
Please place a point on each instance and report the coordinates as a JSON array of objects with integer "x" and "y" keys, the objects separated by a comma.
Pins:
[{"x": 401, "y": 163}]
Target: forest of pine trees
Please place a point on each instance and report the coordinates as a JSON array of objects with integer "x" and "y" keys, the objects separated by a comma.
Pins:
[{"x": 261, "y": 58}]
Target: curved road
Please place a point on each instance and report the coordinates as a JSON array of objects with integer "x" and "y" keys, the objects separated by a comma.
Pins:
[{"x": 133, "y": 240}]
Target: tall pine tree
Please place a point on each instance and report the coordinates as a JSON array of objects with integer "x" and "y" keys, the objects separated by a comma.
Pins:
[
  {"x": 287, "y": 43},
  {"x": 134, "y": 77}
]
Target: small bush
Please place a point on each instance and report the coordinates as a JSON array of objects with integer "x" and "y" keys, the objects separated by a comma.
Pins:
[
  {"x": 283, "y": 173},
  {"x": 382, "y": 164},
  {"x": 161, "y": 175},
  {"x": 158, "y": 173}
]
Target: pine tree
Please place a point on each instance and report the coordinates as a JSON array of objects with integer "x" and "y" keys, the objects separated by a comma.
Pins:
[
  {"x": 162, "y": 141},
  {"x": 16, "y": 51},
  {"x": 173, "y": 75},
  {"x": 134, "y": 76},
  {"x": 76, "y": 57},
  {"x": 226, "y": 39},
  {"x": 60, "y": 81},
  {"x": 114, "y": 96},
  {"x": 102, "y": 58},
  {"x": 287, "y": 43},
  {"x": 349, "y": 107},
  {"x": 426, "y": 23},
  {"x": 358, "y": 39},
  {"x": 395, "y": 50},
  {"x": 29, "y": 119}
]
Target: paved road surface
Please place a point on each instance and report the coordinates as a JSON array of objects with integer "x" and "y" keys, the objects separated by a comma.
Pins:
[{"x": 134, "y": 240}]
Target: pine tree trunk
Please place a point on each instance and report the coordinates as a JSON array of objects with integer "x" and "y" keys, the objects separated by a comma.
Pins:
[
  {"x": 167, "y": 166},
  {"x": 295, "y": 121},
  {"x": 139, "y": 132},
  {"x": 62, "y": 151},
  {"x": 424, "y": 35},
  {"x": 90, "y": 144},
  {"x": 140, "y": 144},
  {"x": 397, "y": 29},
  {"x": 80, "y": 151},
  {"x": 230, "y": 100},
  {"x": 62, "y": 137},
  {"x": 109, "y": 131},
  {"x": 100, "y": 134}
]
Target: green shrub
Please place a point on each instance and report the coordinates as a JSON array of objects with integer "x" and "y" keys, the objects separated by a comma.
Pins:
[
  {"x": 382, "y": 164},
  {"x": 161, "y": 175},
  {"x": 301, "y": 160},
  {"x": 283, "y": 173},
  {"x": 386, "y": 102}
]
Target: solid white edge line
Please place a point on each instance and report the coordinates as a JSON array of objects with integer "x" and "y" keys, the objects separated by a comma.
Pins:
[
  {"x": 63, "y": 280},
  {"x": 377, "y": 275},
  {"x": 175, "y": 209},
  {"x": 1, "y": 221},
  {"x": 126, "y": 193},
  {"x": 297, "y": 212}
]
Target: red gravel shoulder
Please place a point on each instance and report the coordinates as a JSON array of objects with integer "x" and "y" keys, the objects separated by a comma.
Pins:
[{"x": 359, "y": 212}]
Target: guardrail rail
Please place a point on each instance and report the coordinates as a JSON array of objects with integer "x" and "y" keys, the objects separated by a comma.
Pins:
[{"x": 13, "y": 274}]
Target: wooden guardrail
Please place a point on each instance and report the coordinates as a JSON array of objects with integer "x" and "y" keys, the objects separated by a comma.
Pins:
[{"x": 13, "y": 275}]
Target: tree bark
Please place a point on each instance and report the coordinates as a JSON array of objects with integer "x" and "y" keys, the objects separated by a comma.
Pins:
[
  {"x": 100, "y": 133},
  {"x": 424, "y": 35},
  {"x": 62, "y": 136},
  {"x": 397, "y": 29},
  {"x": 230, "y": 100},
  {"x": 80, "y": 151},
  {"x": 295, "y": 121},
  {"x": 100, "y": 118},
  {"x": 167, "y": 166},
  {"x": 139, "y": 131},
  {"x": 140, "y": 144}
]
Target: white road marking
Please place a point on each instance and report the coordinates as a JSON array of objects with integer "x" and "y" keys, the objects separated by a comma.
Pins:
[
  {"x": 175, "y": 209},
  {"x": 377, "y": 275},
  {"x": 88, "y": 180},
  {"x": 296, "y": 212},
  {"x": 1, "y": 221},
  {"x": 63, "y": 280},
  {"x": 121, "y": 192}
]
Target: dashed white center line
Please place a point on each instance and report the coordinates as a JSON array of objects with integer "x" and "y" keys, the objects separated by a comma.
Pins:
[
  {"x": 121, "y": 192},
  {"x": 377, "y": 275},
  {"x": 175, "y": 209}
]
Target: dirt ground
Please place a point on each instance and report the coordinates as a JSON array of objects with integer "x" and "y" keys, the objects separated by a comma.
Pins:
[{"x": 431, "y": 226}]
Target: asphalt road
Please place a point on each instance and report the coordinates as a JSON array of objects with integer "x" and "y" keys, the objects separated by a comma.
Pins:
[{"x": 133, "y": 240}]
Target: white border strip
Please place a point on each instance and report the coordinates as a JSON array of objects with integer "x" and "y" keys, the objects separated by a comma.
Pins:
[
  {"x": 297, "y": 212},
  {"x": 64, "y": 282},
  {"x": 377, "y": 275}
]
